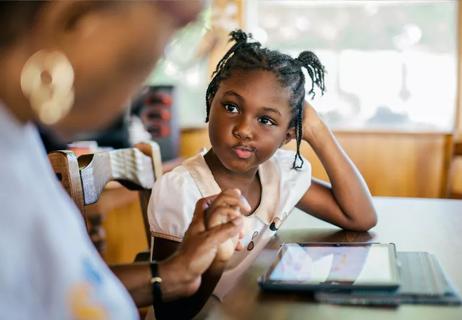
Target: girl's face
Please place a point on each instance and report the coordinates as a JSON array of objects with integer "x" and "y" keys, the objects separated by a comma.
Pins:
[{"x": 249, "y": 119}]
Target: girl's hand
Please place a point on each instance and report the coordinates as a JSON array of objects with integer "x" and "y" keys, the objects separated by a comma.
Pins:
[
  {"x": 230, "y": 203},
  {"x": 312, "y": 123}
]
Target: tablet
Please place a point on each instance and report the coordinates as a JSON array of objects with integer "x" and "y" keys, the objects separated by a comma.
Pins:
[{"x": 314, "y": 266}]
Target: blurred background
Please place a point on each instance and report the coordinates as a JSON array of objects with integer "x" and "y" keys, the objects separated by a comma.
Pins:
[
  {"x": 391, "y": 64},
  {"x": 392, "y": 81}
]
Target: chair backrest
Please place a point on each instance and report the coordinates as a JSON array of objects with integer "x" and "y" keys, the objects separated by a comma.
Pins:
[
  {"x": 85, "y": 177},
  {"x": 66, "y": 167},
  {"x": 455, "y": 154}
]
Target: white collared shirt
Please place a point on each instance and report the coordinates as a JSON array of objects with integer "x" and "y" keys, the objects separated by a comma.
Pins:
[
  {"x": 49, "y": 268},
  {"x": 175, "y": 194}
]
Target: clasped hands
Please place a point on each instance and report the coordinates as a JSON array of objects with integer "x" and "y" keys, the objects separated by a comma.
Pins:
[
  {"x": 225, "y": 207},
  {"x": 212, "y": 237}
]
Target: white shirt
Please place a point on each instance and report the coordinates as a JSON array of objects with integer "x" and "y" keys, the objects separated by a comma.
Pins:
[
  {"x": 49, "y": 268},
  {"x": 175, "y": 194}
]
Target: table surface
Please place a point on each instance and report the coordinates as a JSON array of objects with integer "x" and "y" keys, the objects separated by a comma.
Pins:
[{"x": 432, "y": 225}]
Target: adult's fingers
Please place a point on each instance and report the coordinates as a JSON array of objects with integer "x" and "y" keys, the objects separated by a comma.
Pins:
[
  {"x": 219, "y": 234},
  {"x": 221, "y": 215},
  {"x": 210, "y": 199},
  {"x": 231, "y": 198},
  {"x": 198, "y": 220},
  {"x": 215, "y": 205}
]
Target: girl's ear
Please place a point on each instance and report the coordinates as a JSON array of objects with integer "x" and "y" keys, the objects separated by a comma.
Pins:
[{"x": 290, "y": 134}]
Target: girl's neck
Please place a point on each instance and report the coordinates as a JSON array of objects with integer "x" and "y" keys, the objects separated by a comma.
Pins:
[
  {"x": 221, "y": 172},
  {"x": 248, "y": 182}
]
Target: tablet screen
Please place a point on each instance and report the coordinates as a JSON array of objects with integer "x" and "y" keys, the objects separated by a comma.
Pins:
[{"x": 335, "y": 264}]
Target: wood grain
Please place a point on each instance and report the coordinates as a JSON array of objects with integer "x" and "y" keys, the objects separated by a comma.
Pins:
[
  {"x": 393, "y": 164},
  {"x": 66, "y": 168},
  {"x": 453, "y": 178}
]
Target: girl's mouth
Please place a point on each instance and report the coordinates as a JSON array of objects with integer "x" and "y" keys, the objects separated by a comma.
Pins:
[{"x": 243, "y": 152}]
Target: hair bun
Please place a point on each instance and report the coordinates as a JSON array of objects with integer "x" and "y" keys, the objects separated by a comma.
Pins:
[{"x": 239, "y": 36}]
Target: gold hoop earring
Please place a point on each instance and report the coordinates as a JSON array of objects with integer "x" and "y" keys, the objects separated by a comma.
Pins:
[{"x": 47, "y": 80}]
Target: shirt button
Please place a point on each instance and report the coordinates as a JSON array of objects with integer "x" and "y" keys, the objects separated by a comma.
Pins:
[
  {"x": 250, "y": 246},
  {"x": 274, "y": 226}
]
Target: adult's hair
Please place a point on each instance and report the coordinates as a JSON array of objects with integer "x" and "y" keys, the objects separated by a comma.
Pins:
[
  {"x": 247, "y": 54},
  {"x": 16, "y": 17}
]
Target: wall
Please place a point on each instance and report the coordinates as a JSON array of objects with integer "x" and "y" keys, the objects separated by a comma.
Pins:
[{"x": 393, "y": 164}]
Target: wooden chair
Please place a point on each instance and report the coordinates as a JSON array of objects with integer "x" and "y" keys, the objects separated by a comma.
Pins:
[
  {"x": 455, "y": 154},
  {"x": 84, "y": 178},
  {"x": 66, "y": 168}
]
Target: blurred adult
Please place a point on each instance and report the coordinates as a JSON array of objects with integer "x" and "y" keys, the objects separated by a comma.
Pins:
[{"x": 72, "y": 66}]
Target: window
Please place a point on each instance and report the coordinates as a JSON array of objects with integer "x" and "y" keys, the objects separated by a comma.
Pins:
[
  {"x": 184, "y": 67},
  {"x": 391, "y": 64}
]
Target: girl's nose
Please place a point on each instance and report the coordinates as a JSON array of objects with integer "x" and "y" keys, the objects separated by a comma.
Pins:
[{"x": 243, "y": 130}]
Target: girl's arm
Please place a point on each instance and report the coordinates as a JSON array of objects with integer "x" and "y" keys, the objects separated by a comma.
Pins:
[{"x": 347, "y": 202}]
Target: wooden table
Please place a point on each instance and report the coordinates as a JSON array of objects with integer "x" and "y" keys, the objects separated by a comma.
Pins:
[{"x": 431, "y": 225}]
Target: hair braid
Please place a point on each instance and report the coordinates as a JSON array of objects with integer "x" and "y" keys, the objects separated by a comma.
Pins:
[
  {"x": 298, "y": 139},
  {"x": 315, "y": 69}
]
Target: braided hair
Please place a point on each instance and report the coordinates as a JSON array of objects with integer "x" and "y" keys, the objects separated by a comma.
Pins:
[{"x": 247, "y": 54}]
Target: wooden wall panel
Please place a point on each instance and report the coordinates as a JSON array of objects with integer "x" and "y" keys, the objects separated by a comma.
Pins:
[
  {"x": 457, "y": 175},
  {"x": 193, "y": 140},
  {"x": 124, "y": 226},
  {"x": 393, "y": 164}
]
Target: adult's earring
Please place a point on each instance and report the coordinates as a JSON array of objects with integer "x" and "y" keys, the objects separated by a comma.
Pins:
[{"x": 47, "y": 80}]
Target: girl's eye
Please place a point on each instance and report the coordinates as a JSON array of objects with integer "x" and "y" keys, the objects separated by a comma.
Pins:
[
  {"x": 231, "y": 108},
  {"x": 266, "y": 121}
]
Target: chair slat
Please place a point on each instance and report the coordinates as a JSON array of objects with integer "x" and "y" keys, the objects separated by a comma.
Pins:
[{"x": 66, "y": 168}]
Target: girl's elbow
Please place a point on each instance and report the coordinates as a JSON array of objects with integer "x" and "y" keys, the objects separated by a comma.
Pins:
[
  {"x": 368, "y": 223},
  {"x": 371, "y": 224},
  {"x": 364, "y": 224}
]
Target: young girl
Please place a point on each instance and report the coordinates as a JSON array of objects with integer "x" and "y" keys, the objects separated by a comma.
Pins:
[{"x": 256, "y": 104}]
